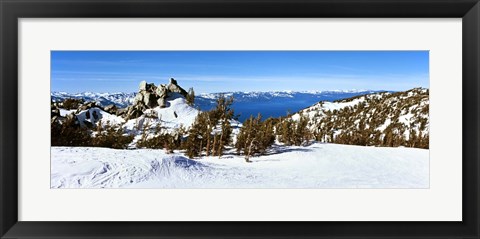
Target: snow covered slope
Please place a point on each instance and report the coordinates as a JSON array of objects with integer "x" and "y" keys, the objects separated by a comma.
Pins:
[
  {"x": 384, "y": 119},
  {"x": 316, "y": 166},
  {"x": 178, "y": 113},
  {"x": 95, "y": 116}
]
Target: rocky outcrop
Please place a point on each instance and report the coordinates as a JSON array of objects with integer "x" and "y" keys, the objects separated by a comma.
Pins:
[
  {"x": 86, "y": 106},
  {"x": 111, "y": 109},
  {"x": 72, "y": 117},
  {"x": 55, "y": 116},
  {"x": 174, "y": 87},
  {"x": 150, "y": 96}
]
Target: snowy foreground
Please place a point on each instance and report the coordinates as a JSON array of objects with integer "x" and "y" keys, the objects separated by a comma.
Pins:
[{"x": 314, "y": 166}]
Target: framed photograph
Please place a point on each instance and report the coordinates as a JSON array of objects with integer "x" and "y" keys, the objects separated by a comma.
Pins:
[{"x": 255, "y": 119}]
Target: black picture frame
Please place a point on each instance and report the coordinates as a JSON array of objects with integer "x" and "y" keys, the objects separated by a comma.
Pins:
[{"x": 12, "y": 10}]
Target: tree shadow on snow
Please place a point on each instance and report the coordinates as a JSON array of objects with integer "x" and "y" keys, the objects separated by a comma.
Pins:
[
  {"x": 274, "y": 150},
  {"x": 280, "y": 149}
]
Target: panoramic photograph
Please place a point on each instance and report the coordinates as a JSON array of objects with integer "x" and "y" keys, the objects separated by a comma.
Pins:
[{"x": 239, "y": 119}]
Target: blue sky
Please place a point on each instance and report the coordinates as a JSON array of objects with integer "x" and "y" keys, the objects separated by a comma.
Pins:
[{"x": 222, "y": 71}]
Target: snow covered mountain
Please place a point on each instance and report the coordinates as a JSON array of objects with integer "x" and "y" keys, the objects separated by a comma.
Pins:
[
  {"x": 270, "y": 104},
  {"x": 363, "y": 118},
  {"x": 380, "y": 119},
  {"x": 349, "y": 117},
  {"x": 121, "y": 100}
]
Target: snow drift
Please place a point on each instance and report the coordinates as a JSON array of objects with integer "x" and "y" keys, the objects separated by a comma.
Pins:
[{"x": 316, "y": 166}]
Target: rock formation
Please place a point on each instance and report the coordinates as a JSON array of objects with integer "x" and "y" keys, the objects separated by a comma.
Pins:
[
  {"x": 174, "y": 87},
  {"x": 111, "y": 109},
  {"x": 150, "y": 96}
]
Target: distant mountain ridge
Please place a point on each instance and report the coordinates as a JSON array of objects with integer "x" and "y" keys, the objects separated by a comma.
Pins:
[
  {"x": 271, "y": 103},
  {"x": 120, "y": 99}
]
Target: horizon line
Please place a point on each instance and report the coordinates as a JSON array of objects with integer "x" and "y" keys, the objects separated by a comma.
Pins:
[{"x": 276, "y": 91}]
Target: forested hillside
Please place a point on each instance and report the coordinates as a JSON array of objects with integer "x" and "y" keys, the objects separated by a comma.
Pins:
[{"x": 379, "y": 119}]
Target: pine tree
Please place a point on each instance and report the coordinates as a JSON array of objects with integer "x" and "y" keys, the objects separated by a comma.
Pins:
[
  {"x": 423, "y": 141},
  {"x": 412, "y": 138},
  {"x": 194, "y": 143},
  {"x": 301, "y": 132},
  {"x": 69, "y": 133},
  {"x": 267, "y": 137},
  {"x": 208, "y": 138},
  {"x": 190, "y": 97},
  {"x": 112, "y": 137},
  {"x": 220, "y": 117},
  {"x": 214, "y": 146},
  {"x": 287, "y": 130},
  {"x": 246, "y": 137},
  {"x": 211, "y": 130},
  {"x": 255, "y": 137}
]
